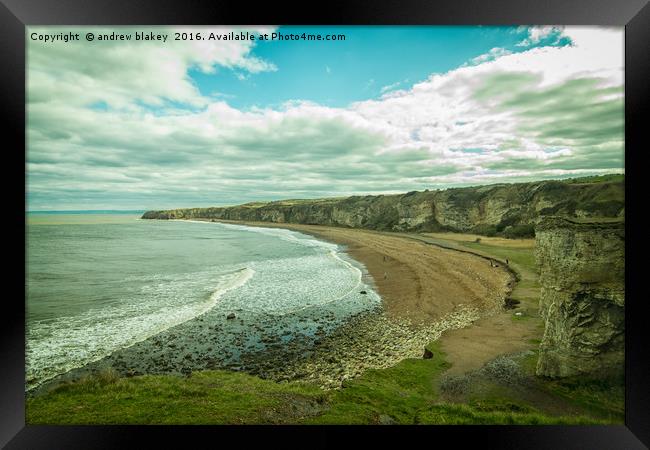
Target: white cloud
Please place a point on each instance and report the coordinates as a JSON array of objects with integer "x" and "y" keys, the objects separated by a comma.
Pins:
[
  {"x": 493, "y": 54},
  {"x": 451, "y": 128},
  {"x": 390, "y": 87},
  {"x": 121, "y": 73},
  {"x": 536, "y": 34}
]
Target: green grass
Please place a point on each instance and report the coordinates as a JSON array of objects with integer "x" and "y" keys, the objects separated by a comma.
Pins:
[
  {"x": 209, "y": 397},
  {"x": 522, "y": 260},
  {"x": 608, "y": 178},
  {"x": 601, "y": 398},
  {"x": 406, "y": 393},
  {"x": 459, "y": 414},
  {"x": 398, "y": 392},
  {"x": 522, "y": 317},
  {"x": 523, "y": 257}
]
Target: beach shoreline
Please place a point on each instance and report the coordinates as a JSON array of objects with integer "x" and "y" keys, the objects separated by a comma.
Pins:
[
  {"x": 418, "y": 282},
  {"x": 425, "y": 291}
]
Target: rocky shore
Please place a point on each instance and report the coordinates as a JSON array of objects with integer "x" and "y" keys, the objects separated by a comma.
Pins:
[{"x": 370, "y": 341}]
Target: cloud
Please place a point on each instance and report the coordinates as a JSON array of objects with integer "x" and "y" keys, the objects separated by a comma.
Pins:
[
  {"x": 537, "y": 34},
  {"x": 544, "y": 97},
  {"x": 121, "y": 73},
  {"x": 103, "y": 131},
  {"x": 493, "y": 54},
  {"x": 390, "y": 87}
]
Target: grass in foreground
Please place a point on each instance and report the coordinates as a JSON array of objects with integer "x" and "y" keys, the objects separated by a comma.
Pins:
[
  {"x": 407, "y": 393},
  {"x": 209, "y": 397}
]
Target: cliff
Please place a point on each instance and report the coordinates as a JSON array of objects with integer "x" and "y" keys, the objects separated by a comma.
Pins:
[
  {"x": 582, "y": 274},
  {"x": 504, "y": 209}
]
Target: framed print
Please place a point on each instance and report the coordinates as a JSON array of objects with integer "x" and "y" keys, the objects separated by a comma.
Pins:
[{"x": 379, "y": 222}]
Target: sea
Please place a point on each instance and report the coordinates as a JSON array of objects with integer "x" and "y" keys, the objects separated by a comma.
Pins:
[{"x": 101, "y": 282}]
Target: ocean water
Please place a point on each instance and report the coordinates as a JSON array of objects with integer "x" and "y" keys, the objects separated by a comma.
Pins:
[{"x": 102, "y": 283}]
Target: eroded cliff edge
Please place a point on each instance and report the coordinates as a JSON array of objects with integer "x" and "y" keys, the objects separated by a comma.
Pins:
[
  {"x": 506, "y": 209},
  {"x": 582, "y": 277}
]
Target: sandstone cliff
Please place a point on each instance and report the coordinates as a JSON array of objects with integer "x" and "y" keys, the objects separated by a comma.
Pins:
[
  {"x": 505, "y": 209},
  {"x": 582, "y": 274}
]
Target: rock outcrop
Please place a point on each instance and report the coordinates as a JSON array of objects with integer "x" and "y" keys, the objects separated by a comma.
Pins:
[
  {"x": 582, "y": 274},
  {"x": 504, "y": 209}
]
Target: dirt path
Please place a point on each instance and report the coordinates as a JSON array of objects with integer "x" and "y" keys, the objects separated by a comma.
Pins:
[{"x": 502, "y": 333}]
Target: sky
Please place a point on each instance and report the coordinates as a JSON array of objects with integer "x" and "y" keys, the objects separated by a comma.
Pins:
[{"x": 156, "y": 125}]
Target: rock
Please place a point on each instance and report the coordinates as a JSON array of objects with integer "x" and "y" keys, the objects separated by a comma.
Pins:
[
  {"x": 510, "y": 303},
  {"x": 385, "y": 419},
  {"x": 230, "y": 316},
  {"x": 362, "y": 292},
  {"x": 427, "y": 354},
  {"x": 582, "y": 303}
]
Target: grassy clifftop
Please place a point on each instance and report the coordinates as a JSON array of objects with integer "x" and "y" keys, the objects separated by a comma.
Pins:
[
  {"x": 412, "y": 392},
  {"x": 509, "y": 210}
]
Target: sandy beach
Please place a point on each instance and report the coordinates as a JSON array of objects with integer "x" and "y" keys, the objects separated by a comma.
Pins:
[
  {"x": 427, "y": 293},
  {"x": 418, "y": 282},
  {"x": 421, "y": 283}
]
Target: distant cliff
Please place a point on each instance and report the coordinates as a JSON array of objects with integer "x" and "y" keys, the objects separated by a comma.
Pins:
[
  {"x": 582, "y": 274},
  {"x": 501, "y": 209}
]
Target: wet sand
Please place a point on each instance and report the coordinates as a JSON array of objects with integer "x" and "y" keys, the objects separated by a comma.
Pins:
[
  {"x": 421, "y": 283},
  {"x": 417, "y": 281}
]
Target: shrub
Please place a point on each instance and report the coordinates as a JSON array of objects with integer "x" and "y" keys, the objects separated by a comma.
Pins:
[
  {"x": 455, "y": 384},
  {"x": 485, "y": 230},
  {"x": 519, "y": 231},
  {"x": 507, "y": 221},
  {"x": 502, "y": 369},
  {"x": 609, "y": 208}
]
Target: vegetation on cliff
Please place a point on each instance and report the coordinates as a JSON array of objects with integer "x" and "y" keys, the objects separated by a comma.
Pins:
[{"x": 508, "y": 210}]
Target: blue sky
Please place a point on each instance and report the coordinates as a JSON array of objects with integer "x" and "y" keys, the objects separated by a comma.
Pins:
[
  {"x": 152, "y": 125},
  {"x": 336, "y": 73}
]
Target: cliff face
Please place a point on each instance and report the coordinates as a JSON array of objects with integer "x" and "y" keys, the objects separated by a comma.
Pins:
[
  {"x": 495, "y": 209},
  {"x": 582, "y": 273}
]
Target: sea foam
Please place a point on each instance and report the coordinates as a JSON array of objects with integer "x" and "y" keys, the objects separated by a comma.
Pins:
[
  {"x": 57, "y": 346},
  {"x": 315, "y": 275}
]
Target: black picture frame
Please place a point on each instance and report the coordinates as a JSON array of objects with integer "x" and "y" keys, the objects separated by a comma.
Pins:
[{"x": 15, "y": 15}]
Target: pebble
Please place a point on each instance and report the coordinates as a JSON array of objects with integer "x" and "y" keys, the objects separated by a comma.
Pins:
[{"x": 368, "y": 341}]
